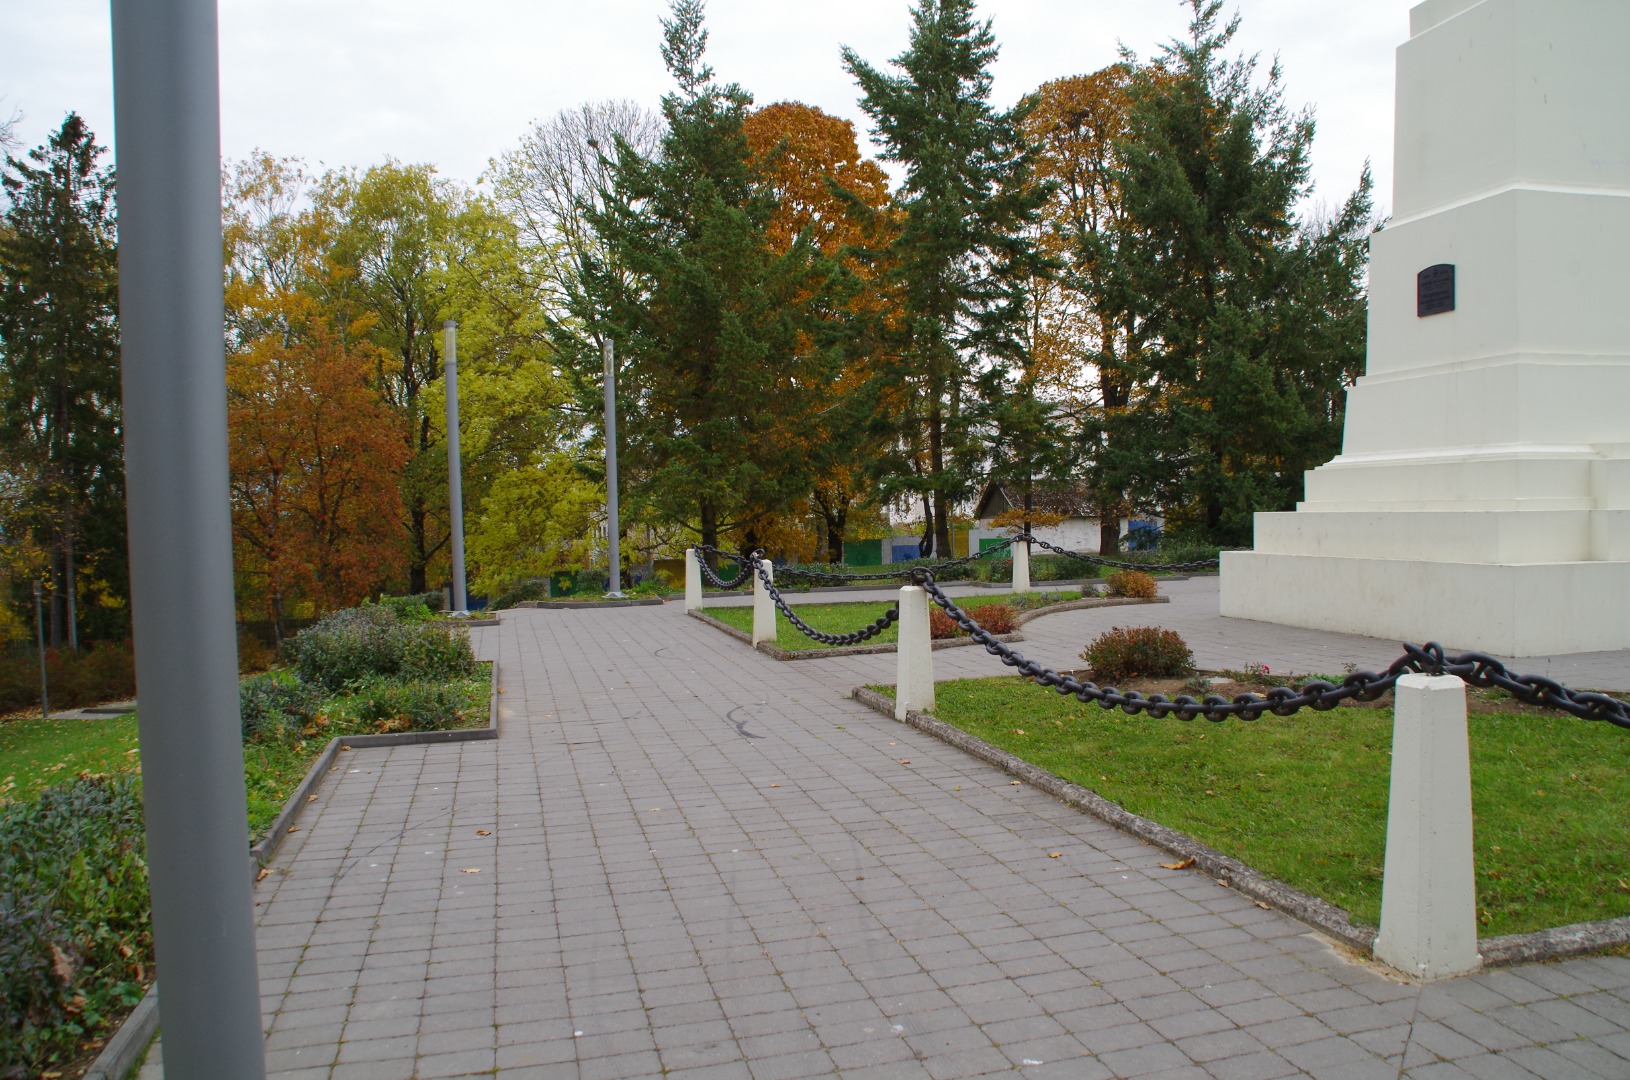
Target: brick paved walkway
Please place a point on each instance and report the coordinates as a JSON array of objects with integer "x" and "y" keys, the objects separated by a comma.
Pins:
[{"x": 684, "y": 859}]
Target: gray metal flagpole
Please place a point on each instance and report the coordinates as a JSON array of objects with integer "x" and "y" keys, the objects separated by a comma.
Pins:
[
  {"x": 455, "y": 475},
  {"x": 613, "y": 528},
  {"x": 167, "y": 109}
]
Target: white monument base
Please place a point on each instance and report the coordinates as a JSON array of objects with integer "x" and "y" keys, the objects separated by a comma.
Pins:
[
  {"x": 1530, "y": 609},
  {"x": 1482, "y": 496}
]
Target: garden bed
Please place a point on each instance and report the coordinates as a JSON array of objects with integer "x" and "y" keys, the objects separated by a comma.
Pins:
[
  {"x": 790, "y": 644},
  {"x": 1293, "y": 809}
]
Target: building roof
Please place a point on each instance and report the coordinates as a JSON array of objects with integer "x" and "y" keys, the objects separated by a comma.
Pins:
[{"x": 1074, "y": 501}]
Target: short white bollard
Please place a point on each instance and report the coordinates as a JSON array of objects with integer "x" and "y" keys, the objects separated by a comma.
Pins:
[
  {"x": 1429, "y": 887},
  {"x": 693, "y": 579},
  {"x": 1021, "y": 566},
  {"x": 763, "y": 606},
  {"x": 914, "y": 679}
]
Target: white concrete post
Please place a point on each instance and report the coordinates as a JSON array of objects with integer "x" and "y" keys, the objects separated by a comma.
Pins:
[
  {"x": 763, "y": 607},
  {"x": 1428, "y": 889},
  {"x": 693, "y": 579},
  {"x": 1021, "y": 565},
  {"x": 914, "y": 680}
]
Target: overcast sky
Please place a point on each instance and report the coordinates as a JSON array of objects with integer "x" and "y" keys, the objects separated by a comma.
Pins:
[{"x": 348, "y": 82}]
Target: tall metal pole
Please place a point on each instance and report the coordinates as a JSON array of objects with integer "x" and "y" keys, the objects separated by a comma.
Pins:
[
  {"x": 167, "y": 107},
  {"x": 613, "y": 528},
  {"x": 455, "y": 475},
  {"x": 39, "y": 639}
]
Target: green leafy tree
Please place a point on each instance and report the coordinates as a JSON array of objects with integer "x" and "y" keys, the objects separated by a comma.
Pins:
[
  {"x": 391, "y": 226},
  {"x": 1246, "y": 323},
  {"x": 724, "y": 342},
  {"x": 59, "y": 377},
  {"x": 530, "y": 501},
  {"x": 962, "y": 261}
]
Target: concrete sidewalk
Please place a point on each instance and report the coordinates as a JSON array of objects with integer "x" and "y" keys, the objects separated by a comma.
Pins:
[{"x": 685, "y": 859}]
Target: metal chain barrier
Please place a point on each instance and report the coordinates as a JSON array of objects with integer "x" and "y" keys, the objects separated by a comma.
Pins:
[
  {"x": 744, "y": 561},
  {"x": 1098, "y": 560},
  {"x": 1477, "y": 669},
  {"x": 884, "y": 621},
  {"x": 896, "y": 575}
]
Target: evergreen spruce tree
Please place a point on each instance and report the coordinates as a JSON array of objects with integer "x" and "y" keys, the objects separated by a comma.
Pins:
[
  {"x": 723, "y": 342},
  {"x": 1248, "y": 322},
  {"x": 961, "y": 264},
  {"x": 59, "y": 374}
]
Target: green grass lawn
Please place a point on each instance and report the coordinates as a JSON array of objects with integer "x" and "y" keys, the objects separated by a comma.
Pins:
[
  {"x": 844, "y": 618},
  {"x": 40, "y": 753},
  {"x": 1304, "y": 798}
]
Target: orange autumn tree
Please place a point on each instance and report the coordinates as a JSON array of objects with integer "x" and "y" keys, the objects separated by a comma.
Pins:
[
  {"x": 315, "y": 459},
  {"x": 828, "y": 192}
]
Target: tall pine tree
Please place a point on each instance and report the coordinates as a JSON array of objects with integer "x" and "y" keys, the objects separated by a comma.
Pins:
[
  {"x": 1247, "y": 324},
  {"x": 961, "y": 265},
  {"x": 723, "y": 338},
  {"x": 59, "y": 375}
]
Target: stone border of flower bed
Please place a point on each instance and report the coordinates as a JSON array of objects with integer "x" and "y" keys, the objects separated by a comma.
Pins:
[
  {"x": 128, "y": 1045},
  {"x": 1554, "y": 944},
  {"x": 558, "y": 605}
]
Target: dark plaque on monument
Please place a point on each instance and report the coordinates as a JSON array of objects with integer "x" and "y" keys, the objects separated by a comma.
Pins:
[{"x": 1435, "y": 290}]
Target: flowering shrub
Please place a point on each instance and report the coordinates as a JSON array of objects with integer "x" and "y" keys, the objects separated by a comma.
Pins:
[
  {"x": 1132, "y": 583},
  {"x": 1128, "y": 652}
]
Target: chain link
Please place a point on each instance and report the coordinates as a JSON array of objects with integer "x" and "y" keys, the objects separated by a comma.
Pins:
[
  {"x": 883, "y": 622},
  {"x": 1478, "y": 669},
  {"x": 1098, "y": 560},
  {"x": 745, "y": 561}
]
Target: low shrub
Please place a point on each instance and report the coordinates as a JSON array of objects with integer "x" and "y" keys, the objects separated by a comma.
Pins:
[
  {"x": 996, "y": 618},
  {"x": 99, "y": 671},
  {"x": 941, "y": 625},
  {"x": 412, "y": 705},
  {"x": 1134, "y": 584},
  {"x": 75, "y": 937},
  {"x": 1129, "y": 652},
  {"x": 254, "y": 655},
  {"x": 537, "y": 589},
  {"x": 358, "y": 643},
  {"x": 277, "y": 705},
  {"x": 411, "y": 608},
  {"x": 1061, "y": 568}
]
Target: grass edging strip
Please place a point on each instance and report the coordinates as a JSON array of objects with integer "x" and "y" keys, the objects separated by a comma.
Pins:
[
  {"x": 129, "y": 1043},
  {"x": 1088, "y": 602},
  {"x": 776, "y": 652},
  {"x": 1556, "y": 943}
]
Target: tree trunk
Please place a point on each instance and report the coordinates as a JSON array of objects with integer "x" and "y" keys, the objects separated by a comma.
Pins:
[
  {"x": 925, "y": 546},
  {"x": 418, "y": 557},
  {"x": 1109, "y": 529},
  {"x": 942, "y": 525},
  {"x": 710, "y": 532},
  {"x": 71, "y": 573}
]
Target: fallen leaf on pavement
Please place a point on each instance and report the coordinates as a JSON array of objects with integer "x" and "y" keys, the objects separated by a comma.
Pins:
[
  {"x": 483, "y": 832},
  {"x": 263, "y": 875},
  {"x": 1055, "y": 854},
  {"x": 1263, "y": 906},
  {"x": 1182, "y": 865},
  {"x": 472, "y": 870},
  {"x": 905, "y": 761},
  {"x": 311, "y": 798}
]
